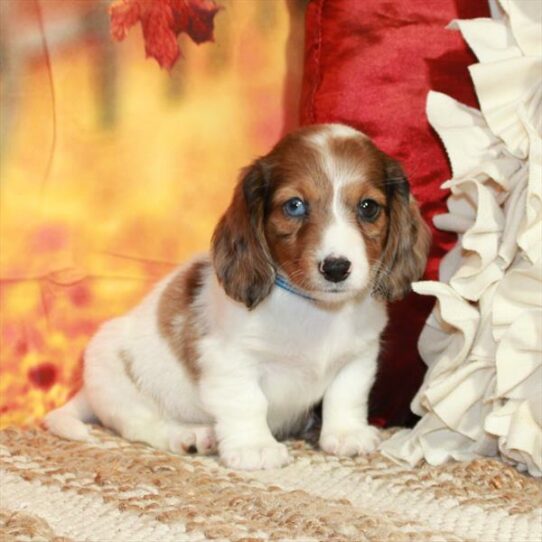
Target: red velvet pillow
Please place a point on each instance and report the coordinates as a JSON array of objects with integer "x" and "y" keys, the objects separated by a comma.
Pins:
[{"x": 370, "y": 64}]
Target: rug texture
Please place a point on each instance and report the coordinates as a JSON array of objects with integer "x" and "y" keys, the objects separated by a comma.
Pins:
[{"x": 52, "y": 489}]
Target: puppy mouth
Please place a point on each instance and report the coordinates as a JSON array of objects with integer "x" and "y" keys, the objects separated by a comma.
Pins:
[
  {"x": 329, "y": 287},
  {"x": 332, "y": 290},
  {"x": 316, "y": 286},
  {"x": 339, "y": 290},
  {"x": 335, "y": 289}
]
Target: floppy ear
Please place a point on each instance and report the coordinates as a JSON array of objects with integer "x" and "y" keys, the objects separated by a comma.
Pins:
[
  {"x": 407, "y": 241},
  {"x": 240, "y": 254}
]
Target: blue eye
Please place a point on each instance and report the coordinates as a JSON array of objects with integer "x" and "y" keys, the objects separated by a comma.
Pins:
[{"x": 295, "y": 207}]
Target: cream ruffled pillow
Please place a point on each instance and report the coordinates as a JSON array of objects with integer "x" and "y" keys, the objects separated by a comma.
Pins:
[{"x": 483, "y": 342}]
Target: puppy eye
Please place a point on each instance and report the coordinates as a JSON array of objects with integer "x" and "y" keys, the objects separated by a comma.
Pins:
[
  {"x": 295, "y": 207},
  {"x": 368, "y": 210}
]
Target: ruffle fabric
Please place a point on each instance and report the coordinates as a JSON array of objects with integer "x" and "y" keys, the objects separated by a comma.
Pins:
[{"x": 482, "y": 394}]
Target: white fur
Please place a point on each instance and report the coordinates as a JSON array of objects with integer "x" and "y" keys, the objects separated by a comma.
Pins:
[
  {"x": 334, "y": 130},
  {"x": 261, "y": 371}
]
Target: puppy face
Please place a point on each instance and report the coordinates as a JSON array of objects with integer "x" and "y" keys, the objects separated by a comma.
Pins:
[
  {"x": 330, "y": 211},
  {"x": 326, "y": 221}
]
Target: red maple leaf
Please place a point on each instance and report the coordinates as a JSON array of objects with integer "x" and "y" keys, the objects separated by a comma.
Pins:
[{"x": 162, "y": 21}]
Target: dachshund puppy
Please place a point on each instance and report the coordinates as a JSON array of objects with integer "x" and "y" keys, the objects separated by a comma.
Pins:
[{"x": 234, "y": 348}]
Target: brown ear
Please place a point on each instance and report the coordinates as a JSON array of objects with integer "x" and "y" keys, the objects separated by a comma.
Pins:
[
  {"x": 240, "y": 253},
  {"x": 407, "y": 242}
]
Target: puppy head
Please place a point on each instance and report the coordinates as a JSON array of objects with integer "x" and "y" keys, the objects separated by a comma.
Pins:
[{"x": 330, "y": 211}]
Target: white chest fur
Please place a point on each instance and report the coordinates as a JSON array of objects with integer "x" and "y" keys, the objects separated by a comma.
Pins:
[{"x": 296, "y": 346}]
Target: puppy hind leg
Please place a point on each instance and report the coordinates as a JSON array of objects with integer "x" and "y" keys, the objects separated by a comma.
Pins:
[
  {"x": 188, "y": 438},
  {"x": 117, "y": 400},
  {"x": 141, "y": 424},
  {"x": 172, "y": 436},
  {"x": 120, "y": 404},
  {"x": 137, "y": 418}
]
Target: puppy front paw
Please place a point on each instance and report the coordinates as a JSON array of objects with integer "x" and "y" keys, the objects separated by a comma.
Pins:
[
  {"x": 270, "y": 455},
  {"x": 349, "y": 442}
]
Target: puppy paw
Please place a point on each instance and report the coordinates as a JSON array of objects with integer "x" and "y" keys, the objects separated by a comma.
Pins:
[
  {"x": 268, "y": 456},
  {"x": 192, "y": 438},
  {"x": 350, "y": 442}
]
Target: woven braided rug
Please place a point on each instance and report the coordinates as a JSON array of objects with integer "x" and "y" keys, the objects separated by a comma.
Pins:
[{"x": 53, "y": 489}]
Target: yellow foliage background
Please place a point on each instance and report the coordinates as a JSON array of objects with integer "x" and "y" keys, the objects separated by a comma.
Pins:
[{"x": 93, "y": 210}]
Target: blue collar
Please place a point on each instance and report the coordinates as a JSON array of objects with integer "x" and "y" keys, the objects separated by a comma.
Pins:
[{"x": 285, "y": 284}]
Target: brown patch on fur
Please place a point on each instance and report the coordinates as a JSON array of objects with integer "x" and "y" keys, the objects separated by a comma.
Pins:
[
  {"x": 359, "y": 155},
  {"x": 240, "y": 253},
  {"x": 374, "y": 233},
  {"x": 407, "y": 241},
  {"x": 177, "y": 302}
]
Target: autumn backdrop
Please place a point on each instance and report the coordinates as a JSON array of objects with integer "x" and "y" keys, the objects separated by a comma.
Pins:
[{"x": 113, "y": 170}]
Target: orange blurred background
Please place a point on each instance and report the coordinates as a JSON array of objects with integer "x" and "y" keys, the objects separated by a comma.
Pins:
[{"x": 113, "y": 170}]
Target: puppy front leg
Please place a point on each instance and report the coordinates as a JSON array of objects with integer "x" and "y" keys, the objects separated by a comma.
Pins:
[
  {"x": 345, "y": 430},
  {"x": 239, "y": 407}
]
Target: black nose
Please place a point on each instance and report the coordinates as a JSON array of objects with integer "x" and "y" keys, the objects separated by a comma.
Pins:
[{"x": 335, "y": 269}]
